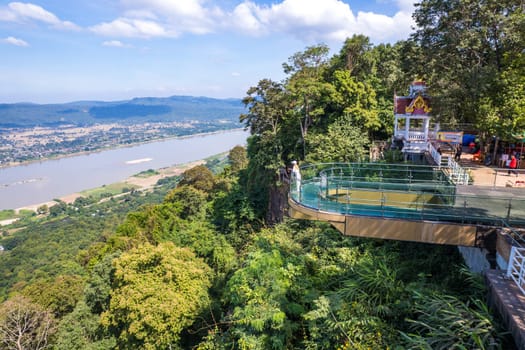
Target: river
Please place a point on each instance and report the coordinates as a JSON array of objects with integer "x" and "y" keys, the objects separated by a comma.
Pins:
[{"x": 41, "y": 182}]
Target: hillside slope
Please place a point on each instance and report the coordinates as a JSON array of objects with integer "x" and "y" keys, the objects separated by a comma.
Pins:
[{"x": 145, "y": 109}]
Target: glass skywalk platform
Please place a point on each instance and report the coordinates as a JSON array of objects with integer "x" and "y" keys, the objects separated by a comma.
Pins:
[{"x": 399, "y": 191}]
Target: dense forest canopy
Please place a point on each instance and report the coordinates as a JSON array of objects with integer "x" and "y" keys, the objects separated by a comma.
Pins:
[{"x": 210, "y": 262}]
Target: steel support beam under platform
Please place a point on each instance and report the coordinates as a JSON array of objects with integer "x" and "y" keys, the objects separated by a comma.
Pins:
[{"x": 385, "y": 228}]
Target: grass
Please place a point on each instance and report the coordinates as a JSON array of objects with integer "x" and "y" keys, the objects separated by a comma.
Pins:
[
  {"x": 147, "y": 173},
  {"x": 25, "y": 213},
  {"x": 108, "y": 190},
  {"x": 217, "y": 162},
  {"x": 8, "y": 214}
]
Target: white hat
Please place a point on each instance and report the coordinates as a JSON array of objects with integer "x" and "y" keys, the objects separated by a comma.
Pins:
[{"x": 294, "y": 162}]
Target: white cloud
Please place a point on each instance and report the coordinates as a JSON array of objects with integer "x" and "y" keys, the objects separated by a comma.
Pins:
[
  {"x": 406, "y": 5},
  {"x": 236, "y": 74},
  {"x": 320, "y": 20},
  {"x": 383, "y": 28},
  {"x": 14, "y": 41},
  {"x": 116, "y": 43},
  {"x": 27, "y": 12},
  {"x": 244, "y": 17},
  {"x": 170, "y": 8},
  {"x": 6, "y": 15},
  {"x": 307, "y": 20},
  {"x": 161, "y": 18},
  {"x": 124, "y": 27}
]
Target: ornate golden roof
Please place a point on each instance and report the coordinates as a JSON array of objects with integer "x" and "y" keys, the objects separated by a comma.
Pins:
[{"x": 419, "y": 106}]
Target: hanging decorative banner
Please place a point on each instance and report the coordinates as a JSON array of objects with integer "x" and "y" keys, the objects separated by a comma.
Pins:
[{"x": 450, "y": 136}]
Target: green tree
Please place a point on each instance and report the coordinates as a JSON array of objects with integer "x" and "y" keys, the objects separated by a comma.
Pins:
[
  {"x": 364, "y": 311},
  {"x": 356, "y": 101},
  {"x": 343, "y": 142},
  {"x": 190, "y": 202},
  {"x": 43, "y": 209},
  {"x": 58, "y": 209},
  {"x": 267, "y": 105},
  {"x": 157, "y": 292},
  {"x": 268, "y": 109},
  {"x": 206, "y": 243},
  {"x": 356, "y": 57},
  {"x": 513, "y": 94},
  {"x": 463, "y": 44},
  {"x": 59, "y": 295},
  {"x": 238, "y": 158},
  {"x": 234, "y": 216},
  {"x": 391, "y": 78},
  {"x": 258, "y": 295},
  {"x": 98, "y": 287},
  {"x": 199, "y": 177},
  {"x": 81, "y": 330},
  {"x": 261, "y": 181},
  {"x": 143, "y": 226},
  {"x": 308, "y": 88}
]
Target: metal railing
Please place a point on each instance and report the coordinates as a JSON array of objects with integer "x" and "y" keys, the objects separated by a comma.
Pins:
[
  {"x": 417, "y": 136},
  {"x": 516, "y": 267},
  {"x": 401, "y": 191},
  {"x": 516, "y": 263},
  {"x": 457, "y": 174},
  {"x": 436, "y": 156},
  {"x": 502, "y": 177},
  {"x": 516, "y": 239},
  {"x": 413, "y": 135},
  {"x": 408, "y": 201}
]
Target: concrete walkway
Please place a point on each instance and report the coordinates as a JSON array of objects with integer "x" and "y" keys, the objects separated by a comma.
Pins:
[{"x": 491, "y": 176}]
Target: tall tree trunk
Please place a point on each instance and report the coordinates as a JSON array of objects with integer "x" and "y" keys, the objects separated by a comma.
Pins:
[{"x": 278, "y": 199}]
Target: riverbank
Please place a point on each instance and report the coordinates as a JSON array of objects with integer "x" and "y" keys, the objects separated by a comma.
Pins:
[
  {"x": 113, "y": 147},
  {"x": 137, "y": 182},
  {"x": 58, "y": 178}
]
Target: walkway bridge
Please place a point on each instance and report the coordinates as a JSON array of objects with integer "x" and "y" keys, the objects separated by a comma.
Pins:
[{"x": 403, "y": 202}]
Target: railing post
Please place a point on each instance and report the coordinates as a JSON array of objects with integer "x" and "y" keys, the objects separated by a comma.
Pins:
[
  {"x": 324, "y": 184},
  {"x": 509, "y": 207},
  {"x": 516, "y": 267},
  {"x": 347, "y": 204},
  {"x": 383, "y": 204},
  {"x": 464, "y": 211},
  {"x": 512, "y": 257}
]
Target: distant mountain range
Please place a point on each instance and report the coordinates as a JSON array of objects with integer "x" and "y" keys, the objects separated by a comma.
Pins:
[{"x": 143, "y": 109}]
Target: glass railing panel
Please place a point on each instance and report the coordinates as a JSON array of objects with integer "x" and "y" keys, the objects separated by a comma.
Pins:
[{"x": 427, "y": 195}]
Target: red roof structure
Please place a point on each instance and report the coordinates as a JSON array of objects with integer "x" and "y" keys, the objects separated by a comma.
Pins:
[{"x": 416, "y": 103}]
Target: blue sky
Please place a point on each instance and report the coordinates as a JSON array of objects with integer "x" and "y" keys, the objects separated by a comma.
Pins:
[{"x": 59, "y": 50}]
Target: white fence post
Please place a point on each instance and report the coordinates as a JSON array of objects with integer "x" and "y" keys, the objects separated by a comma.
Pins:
[
  {"x": 516, "y": 267},
  {"x": 511, "y": 261}
]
